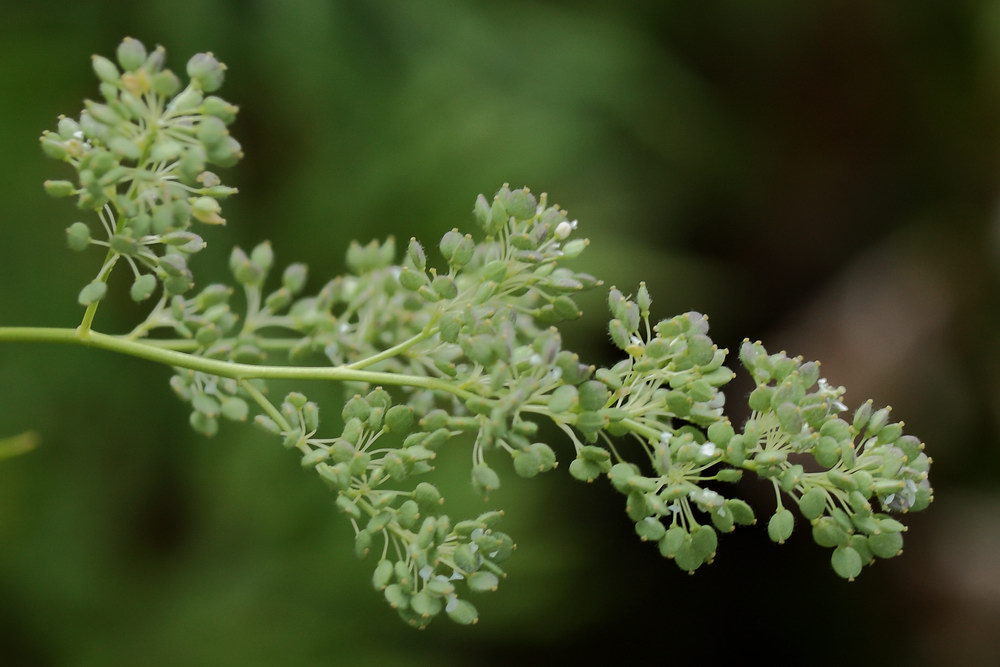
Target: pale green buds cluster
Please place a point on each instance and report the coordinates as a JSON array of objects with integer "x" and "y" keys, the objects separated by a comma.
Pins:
[
  {"x": 426, "y": 561},
  {"x": 839, "y": 471},
  {"x": 142, "y": 156},
  {"x": 465, "y": 340}
]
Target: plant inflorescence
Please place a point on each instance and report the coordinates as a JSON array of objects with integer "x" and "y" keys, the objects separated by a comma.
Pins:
[{"x": 459, "y": 351}]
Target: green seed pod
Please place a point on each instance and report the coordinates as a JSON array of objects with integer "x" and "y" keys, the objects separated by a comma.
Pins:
[
  {"x": 827, "y": 452},
  {"x": 877, "y": 421},
  {"x": 483, "y": 582},
  {"x": 92, "y": 293},
  {"x": 425, "y": 604},
  {"x": 143, "y": 287},
  {"x": 234, "y": 408},
  {"x": 78, "y": 236},
  {"x": 59, "y": 188},
  {"x": 842, "y": 480},
  {"x": 687, "y": 558},
  {"x": 862, "y": 415},
  {"x": 105, "y": 69},
  {"x": 790, "y": 478},
  {"x": 337, "y": 477},
  {"x": 636, "y": 506},
  {"x": 742, "y": 512},
  {"x": 347, "y": 506},
  {"x": 382, "y": 575},
  {"x": 593, "y": 395},
  {"x": 827, "y": 532},
  {"x": 526, "y": 463},
  {"x": 266, "y": 424},
  {"x": 704, "y": 542},
  {"x": 545, "y": 455},
  {"x": 723, "y": 520},
  {"x": 780, "y": 526},
  {"x": 672, "y": 541},
  {"x": 650, "y": 530},
  {"x": 760, "y": 398},
  {"x": 584, "y": 470},
  {"x": 521, "y": 204},
  {"x": 483, "y": 212},
  {"x": 202, "y": 423},
  {"x": 362, "y": 544},
  {"x": 462, "y": 612},
  {"x": 484, "y": 478},
  {"x": 886, "y": 544},
  {"x": 445, "y": 287},
  {"x": 789, "y": 417},
  {"x": 721, "y": 432},
  {"x": 846, "y": 562},
  {"x": 813, "y": 503},
  {"x": 563, "y": 399}
]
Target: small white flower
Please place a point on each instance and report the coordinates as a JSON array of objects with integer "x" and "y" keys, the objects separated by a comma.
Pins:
[
  {"x": 425, "y": 572},
  {"x": 452, "y": 603},
  {"x": 708, "y": 449},
  {"x": 563, "y": 230},
  {"x": 534, "y": 360}
]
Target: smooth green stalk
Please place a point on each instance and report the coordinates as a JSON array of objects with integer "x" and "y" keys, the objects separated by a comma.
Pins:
[{"x": 228, "y": 369}]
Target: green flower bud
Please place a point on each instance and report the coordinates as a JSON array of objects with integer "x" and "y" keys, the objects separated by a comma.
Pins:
[
  {"x": 234, "y": 408},
  {"x": 425, "y": 604},
  {"x": 526, "y": 463},
  {"x": 789, "y": 418},
  {"x": 723, "y": 520},
  {"x": 521, "y": 204},
  {"x": 827, "y": 532},
  {"x": 131, "y": 54},
  {"x": 221, "y": 109},
  {"x": 877, "y": 421},
  {"x": 484, "y": 478},
  {"x": 741, "y": 511},
  {"x": 846, "y": 562},
  {"x": 827, "y": 452},
  {"x": 105, "y": 69},
  {"x": 672, "y": 541},
  {"x": 92, "y": 293},
  {"x": 382, "y": 575},
  {"x": 59, "y": 188},
  {"x": 206, "y": 71},
  {"x": 483, "y": 582},
  {"x": 650, "y": 530},
  {"x": 687, "y": 558},
  {"x": 462, "y": 612},
  {"x": 760, "y": 398},
  {"x": 206, "y": 209},
  {"x": 348, "y": 507},
  {"x": 862, "y": 415},
  {"x": 575, "y": 247},
  {"x": 78, "y": 236},
  {"x": 202, "y": 423},
  {"x": 584, "y": 469},
  {"x": 445, "y": 287},
  {"x": 165, "y": 83},
  {"x": 813, "y": 503},
  {"x": 886, "y": 544},
  {"x": 721, "y": 432},
  {"x": 143, "y": 287},
  {"x": 593, "y": 395},
  {"x": 779, "y": 528}
]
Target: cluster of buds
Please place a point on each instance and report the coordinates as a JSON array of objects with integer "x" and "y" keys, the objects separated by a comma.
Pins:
[
  {"x": 473, "y": 358},
  {"x": 839, "y": 472},
  {"x": 142, "y": 156},
  {"x": 424, "y": 557}
]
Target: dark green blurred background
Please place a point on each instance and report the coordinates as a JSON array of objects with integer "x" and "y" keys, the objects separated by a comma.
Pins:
[{"x": 823, "y": 176}]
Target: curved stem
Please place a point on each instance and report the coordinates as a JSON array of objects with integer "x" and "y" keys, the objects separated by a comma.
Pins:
[{"x": 229, "y": 369}]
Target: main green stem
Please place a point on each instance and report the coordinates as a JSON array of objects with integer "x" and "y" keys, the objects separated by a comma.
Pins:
[{"x": 229, "y": 369}]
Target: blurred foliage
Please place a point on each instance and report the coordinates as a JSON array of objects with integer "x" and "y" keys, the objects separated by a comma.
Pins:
[{"x": 819, "y": 175}]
